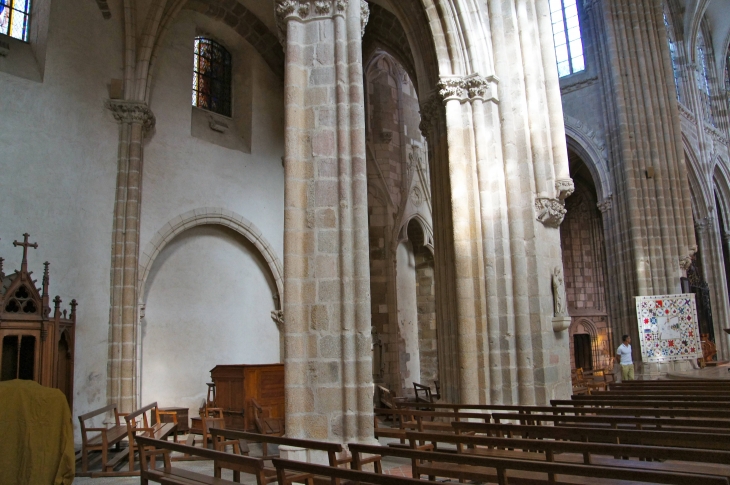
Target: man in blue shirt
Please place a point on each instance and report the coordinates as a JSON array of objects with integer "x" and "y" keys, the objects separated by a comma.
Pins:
[{"x": 624, "y": 353}]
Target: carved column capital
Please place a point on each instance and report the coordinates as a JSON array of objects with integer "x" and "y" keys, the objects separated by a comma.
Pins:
[
  {"x": 132, "y": 112},
  {"x": 550, "y": 211},
  {"x": 452, "y": 88},
  {"x": 703, "y": 224},
  {"x": 479, "y": 87},
  {"x": 431, "y": 110},
  {"x": 606, "y": 204},
  {"x": 564, "y": 188},
  {"x": 305, "y": 10}
]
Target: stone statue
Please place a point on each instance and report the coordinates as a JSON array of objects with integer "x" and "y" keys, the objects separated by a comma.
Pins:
[{"x": 559, "y": 292}]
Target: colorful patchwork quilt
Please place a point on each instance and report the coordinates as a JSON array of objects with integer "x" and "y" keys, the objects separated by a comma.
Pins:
[{"x": 668, "y": 327}]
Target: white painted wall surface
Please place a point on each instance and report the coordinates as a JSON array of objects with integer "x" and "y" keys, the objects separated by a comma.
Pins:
[
  {"x": 408, "y": 312},
  {"x": 208, "y": 302}
]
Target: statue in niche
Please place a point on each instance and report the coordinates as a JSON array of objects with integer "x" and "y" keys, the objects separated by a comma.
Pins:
[{"x": 559, "y": 292}]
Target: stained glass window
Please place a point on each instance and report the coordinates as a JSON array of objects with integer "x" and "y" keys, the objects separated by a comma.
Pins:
[
  {"x": 566, "y": 37},
  {"x": 14, "y": 15},
  {"x": 212, "y": 77},
  {"x": 703, "y": 79},
  {"x": 674, "y": 56}
]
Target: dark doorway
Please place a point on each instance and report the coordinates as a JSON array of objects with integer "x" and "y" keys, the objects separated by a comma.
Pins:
[{"x": 582, "y": 351}]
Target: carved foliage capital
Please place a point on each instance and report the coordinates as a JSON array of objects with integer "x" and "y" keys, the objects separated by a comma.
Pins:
[
  {"x": 452, "y": 88},
  {"x": 606, "y": 204},
  {"x": 132, "y": 112},
  {"x": 364, "y": 16},
  {"x": 431, "y": 110},
  {"x": 550, "y": 211}
]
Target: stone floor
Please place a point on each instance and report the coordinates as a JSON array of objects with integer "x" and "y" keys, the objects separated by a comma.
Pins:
[{"x": 720, "y": 373}]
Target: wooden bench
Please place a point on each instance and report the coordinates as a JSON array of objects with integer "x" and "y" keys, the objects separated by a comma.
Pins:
[
  {"x": 336, "y": 454},
  {"x": 681, "y": 439},
  {"x": 699, "y": 461},
  {"x": 609, "y": 396},
  {"x": 149, "y": 448},
  {"x": 714, "y": 426},
  {"x": 138, "y": 424},
  {"x": 409, "y": 419},
  {"x": 620, "y": 403},
  {"x": 107, "y": 437},
  {"x": 348, "y": 476},
  {"x": 515, "y": 471}
]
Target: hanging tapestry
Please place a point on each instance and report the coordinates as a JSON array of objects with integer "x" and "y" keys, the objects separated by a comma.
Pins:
[{"x": 668, "y": 328}]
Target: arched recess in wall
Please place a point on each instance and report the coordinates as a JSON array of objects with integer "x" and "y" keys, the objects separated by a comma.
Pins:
[
  {"x": 700, "y": 188},
  {"x": 208, "y": 296},
  {"x": 592, "y": 151}
]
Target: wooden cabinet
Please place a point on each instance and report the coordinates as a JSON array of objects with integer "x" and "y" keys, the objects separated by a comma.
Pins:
[{"x": 236, "y": 385}]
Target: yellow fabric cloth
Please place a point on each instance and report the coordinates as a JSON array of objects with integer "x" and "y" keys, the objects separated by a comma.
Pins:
[{"x": 36, "y": 435}]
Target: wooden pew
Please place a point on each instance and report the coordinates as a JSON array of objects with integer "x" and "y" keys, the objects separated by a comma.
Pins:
[
  {"x": 349, "y": 476},
  {"x": 681, "y": 439},
  {"x": 138, "y": 424},
  {"x": 489, "y": 469},
  {"x": 107, "y": 437},
  {"x": 649, "y": 397},
  {"x": 420, "y": 420},
  {"x": 149, "y": 448},
  {"x": 699, "y": 461},
  {"x": 574, "y": 408},
  {"x": 264, "y": 425},
  {"x": 712, "y": 426},
  {"x": 620, "y": 403}
]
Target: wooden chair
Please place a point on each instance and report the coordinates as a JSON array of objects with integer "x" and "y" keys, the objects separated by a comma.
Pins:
[
  {"x": 266, "y": 425},
  {"x": 423, "y": 393}
]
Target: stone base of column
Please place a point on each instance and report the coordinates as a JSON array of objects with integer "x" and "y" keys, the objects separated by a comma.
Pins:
[{"x": 648, "y": 371}]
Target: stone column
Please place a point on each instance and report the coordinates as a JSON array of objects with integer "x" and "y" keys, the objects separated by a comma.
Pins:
[
  {"x": 653, "y": 221},
  {"x": 135, "y": 120},
  {"x": 326, "y": 272},
  {"x": 713, "y": 266}
]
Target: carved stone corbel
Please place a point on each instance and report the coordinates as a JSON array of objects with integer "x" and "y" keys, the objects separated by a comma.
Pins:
[
  {"x": 431, "y": 110},
  {"x": 550, "y": 211},
  {"x": 564, "y": 188},
  {"x": 606, "y": 204}
]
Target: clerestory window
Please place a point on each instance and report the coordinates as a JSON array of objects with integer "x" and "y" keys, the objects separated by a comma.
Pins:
[
  {"x": 566, "y": 37},
  {"x": 14, "y": 17},
  {"x": 212, "y": 77}
]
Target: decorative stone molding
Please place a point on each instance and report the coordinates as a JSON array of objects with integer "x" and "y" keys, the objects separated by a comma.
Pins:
[
  {"x": 685, "y": 112},
  {"x": 606, "y": 204},
  {"x": 550, "y": 211},
  {"x": 716, "y": 135},
  {"x": 685, "y": 263},
  {"x": 132, "y": 112},
  {"x": 579, "y": 85},
  {"x": 564, "y": 188}
]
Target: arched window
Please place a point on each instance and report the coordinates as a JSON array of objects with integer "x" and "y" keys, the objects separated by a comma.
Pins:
[
  {"x": 674, "y": 55},
  {"x": 703, "y": 79},
  {"x": 566, "y": 37},
  {"x": 14, "y": 16},
  {"x": 212, "y": 77}
]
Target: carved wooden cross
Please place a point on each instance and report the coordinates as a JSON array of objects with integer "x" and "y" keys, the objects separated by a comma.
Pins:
[{"x": 25, "y": 245}]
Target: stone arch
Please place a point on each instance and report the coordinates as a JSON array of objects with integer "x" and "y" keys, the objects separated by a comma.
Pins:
[
  {"x": 207, "y": 216},
  {"x": 700, "y": 189},
  {"x": 721, "y": 176},
  {"x": 694, "y": 14},
  {"x": 425, "y": 227},
  {"x": 592, "y": 150}
]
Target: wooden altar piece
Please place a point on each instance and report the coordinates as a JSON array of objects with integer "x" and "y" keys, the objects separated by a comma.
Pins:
[
  {"x": 237, "y": 385},
  {"x": 34, "y": 344}
]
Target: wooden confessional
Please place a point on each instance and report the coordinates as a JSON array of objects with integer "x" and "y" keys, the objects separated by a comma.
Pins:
[{"x": 35, "y": 344}]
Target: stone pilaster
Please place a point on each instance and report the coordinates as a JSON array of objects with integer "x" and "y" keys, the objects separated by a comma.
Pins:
[
  {"x": 135, "y": 120},
  {"x": 326, "y": 272}
]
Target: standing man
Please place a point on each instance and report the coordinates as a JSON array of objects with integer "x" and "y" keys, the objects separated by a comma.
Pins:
[{"x": 624, "y": 354}]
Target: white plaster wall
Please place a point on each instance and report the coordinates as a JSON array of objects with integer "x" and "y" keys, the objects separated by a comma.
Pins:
[
  {"x": 208, "y": 302},
  {"x": 58, "y": 158},
  {"x": 184, "y": 173},
  {"x": 408, "y": 312}
]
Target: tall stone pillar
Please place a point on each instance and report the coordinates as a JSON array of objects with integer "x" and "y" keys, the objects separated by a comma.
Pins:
[
  {"x": 326, "y": 271},
  {"x": 651, "y": 216},
  {"x": 135, "y": 120}
]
